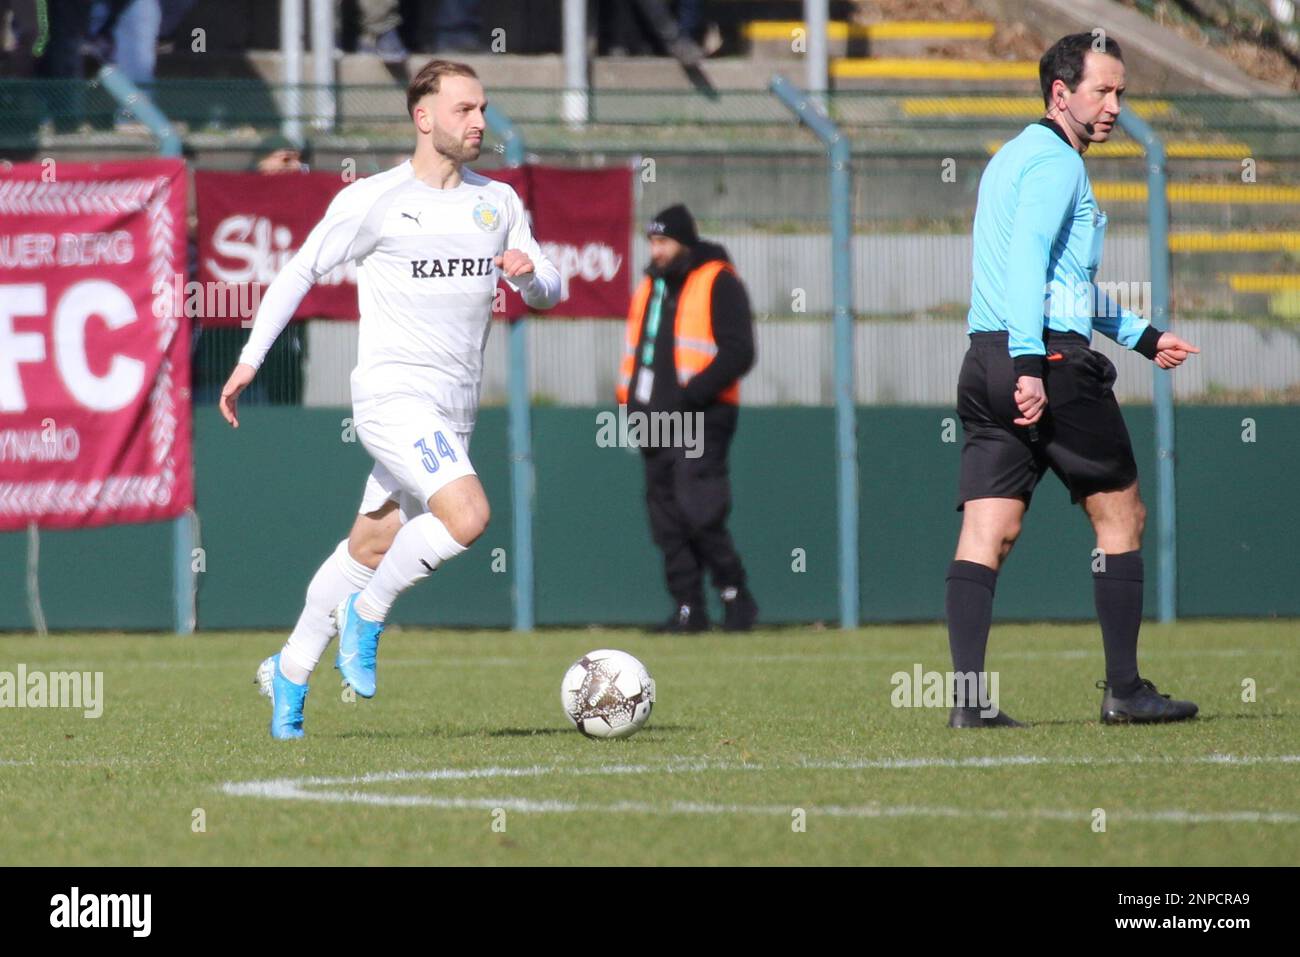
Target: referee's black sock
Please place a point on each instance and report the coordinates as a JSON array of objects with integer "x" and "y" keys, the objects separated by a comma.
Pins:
[
  {"x": 968, "y": 605},
  {"x": 1117, "y": 590}
]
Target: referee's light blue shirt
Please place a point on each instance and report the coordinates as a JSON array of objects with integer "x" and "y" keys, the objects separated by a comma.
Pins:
[{"x": 1038, "y": 237}]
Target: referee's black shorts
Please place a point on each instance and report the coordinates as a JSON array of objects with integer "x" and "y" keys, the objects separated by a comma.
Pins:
[{"x": 1081, "y": 436}]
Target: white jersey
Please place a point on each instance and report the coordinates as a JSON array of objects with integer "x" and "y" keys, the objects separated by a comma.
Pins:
[{"x": 425, "y": 283}]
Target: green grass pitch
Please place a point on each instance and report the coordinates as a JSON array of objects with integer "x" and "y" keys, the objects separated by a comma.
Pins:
[{"x": 746, "y": 732}]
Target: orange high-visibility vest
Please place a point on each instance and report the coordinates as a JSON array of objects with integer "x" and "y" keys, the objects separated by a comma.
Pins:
[{"x": 693, "y": 343}]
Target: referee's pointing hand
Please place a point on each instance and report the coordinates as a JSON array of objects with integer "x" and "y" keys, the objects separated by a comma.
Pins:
[
  {"x": 1031, "y": 399},
  {"x": 1172, "y": 351}
]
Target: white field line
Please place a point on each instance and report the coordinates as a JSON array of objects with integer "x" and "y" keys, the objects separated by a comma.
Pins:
[
  {"x": 1069, "y": 654},
  {"x": 343, "y": 790},
  {"x": 113, "y": 762},
  {"x": 902, "y": 657},
  {"x": 527, "y": 805}
]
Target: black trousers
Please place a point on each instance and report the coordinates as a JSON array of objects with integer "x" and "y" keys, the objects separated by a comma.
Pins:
[{"x": 688, "y": 500}]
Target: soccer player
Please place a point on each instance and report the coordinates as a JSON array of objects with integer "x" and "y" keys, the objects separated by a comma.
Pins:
[
  {"x": 430, "y": 238},
  {"x": 1032, "y": 395}
]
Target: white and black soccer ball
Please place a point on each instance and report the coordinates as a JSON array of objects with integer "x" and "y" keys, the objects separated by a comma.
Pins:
[{"x": 607, "y": 694}]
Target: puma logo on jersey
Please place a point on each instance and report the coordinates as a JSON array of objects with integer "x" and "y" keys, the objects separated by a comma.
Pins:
[
  {"x": 443, "y": 268},
  {"x": 415, "y": 219}
]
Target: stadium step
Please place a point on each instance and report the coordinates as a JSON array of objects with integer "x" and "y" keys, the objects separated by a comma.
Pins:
[
  {"x": 1219, "y": 241},
  {"x": 1175, "y": 149},
  {"x": 787, "y": 38},
  {"x": 784, "y": 30},
  {"x": 1015, "y": 107},
  {"x": 898, "y": 50},
  {"x": 1257, "y": 282},
  {"x": 914, "y": 69},
  {"x": 1250, "y": 193}
]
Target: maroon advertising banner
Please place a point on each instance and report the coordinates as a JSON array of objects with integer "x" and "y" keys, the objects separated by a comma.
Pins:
[
  {"x": 94, "y": 359},
  {"x": 250, "y": 224},
  {"x": 582, "y": 219}
]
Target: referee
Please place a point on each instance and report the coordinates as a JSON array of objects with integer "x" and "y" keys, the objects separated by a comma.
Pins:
[{"x": 1032, "y": 395}]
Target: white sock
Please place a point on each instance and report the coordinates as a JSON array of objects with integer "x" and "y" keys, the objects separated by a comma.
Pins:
[
  {"x": 338, "y": 577},
  {"x": 421, "y": 546}
]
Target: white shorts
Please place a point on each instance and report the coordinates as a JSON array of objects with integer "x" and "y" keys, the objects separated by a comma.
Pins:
[{"x": 416, "y": 453}]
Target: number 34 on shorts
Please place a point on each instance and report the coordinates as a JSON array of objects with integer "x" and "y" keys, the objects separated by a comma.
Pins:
[{"x": 441, "y": 450}]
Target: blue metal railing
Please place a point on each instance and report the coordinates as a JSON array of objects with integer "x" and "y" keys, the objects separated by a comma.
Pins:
[{"x": 846, "y": 436}]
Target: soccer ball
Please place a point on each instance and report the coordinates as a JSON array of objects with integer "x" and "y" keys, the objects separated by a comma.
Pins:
[{"x": 607, "y": 694}]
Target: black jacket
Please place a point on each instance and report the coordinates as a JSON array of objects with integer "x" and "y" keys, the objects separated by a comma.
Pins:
[{"x": 733, "y": 331}]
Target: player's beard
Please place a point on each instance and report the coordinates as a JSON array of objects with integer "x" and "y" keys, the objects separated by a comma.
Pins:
[{"x": 456, "y": 150}]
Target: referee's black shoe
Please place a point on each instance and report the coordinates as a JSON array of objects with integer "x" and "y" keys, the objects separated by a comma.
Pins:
[
  {"x": 686, "y": 619},
  {"x": 1145, "y": 705},
  {"x": 971, "y": 718}
]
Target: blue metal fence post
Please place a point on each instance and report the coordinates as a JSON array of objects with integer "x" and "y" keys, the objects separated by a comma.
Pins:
[
  {"x": 1162, "y": 386},
  {"x": 130, "y": 97},
  {"x": 185, "y": 612},
  {"x": 521, "y": 448},
  {"x": 846, "y": 435}
]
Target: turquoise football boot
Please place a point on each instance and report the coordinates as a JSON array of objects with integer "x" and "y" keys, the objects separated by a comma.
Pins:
[
  {"x": 358, "y": 647},
  {"x": 287, "y": 699}
]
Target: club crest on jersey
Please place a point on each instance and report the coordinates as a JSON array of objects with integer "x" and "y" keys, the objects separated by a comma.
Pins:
[{"x": 486, "y": 217}]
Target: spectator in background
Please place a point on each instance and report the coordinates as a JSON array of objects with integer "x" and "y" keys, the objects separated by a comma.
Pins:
[
  {"x": 173, "y": 14},
  {"x": 21, "y": 60},
  {"x": 67, "y": 20},
  {"x": 381, "y": 21},
  {"x": 690, "y": 19},
  {"x": 457, "y": 28},
  {"x": 125, "y": 33},
  {"x": 282, "y": 156},
  {"x": 60, "y": 59},
  {"x": 651, "y": 28},
  {"x": 690, "y": 337}
]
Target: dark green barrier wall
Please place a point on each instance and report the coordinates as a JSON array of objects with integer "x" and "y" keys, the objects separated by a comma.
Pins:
[
  {"x": 1238, "y": 511},
  {"x": 908, "y": 466},
  {"x": 278, "y": 494},
  {"x": 595, "y": 560},
  {"x": 116, "y": 577}
]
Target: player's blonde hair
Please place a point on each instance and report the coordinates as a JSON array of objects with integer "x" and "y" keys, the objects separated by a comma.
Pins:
[{"x": 430, "y": 77}]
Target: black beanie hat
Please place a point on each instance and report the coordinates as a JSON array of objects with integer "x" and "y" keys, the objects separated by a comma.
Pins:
[{"x": 675, "y": 222}]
